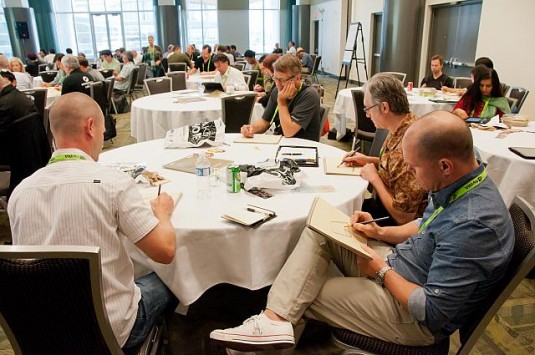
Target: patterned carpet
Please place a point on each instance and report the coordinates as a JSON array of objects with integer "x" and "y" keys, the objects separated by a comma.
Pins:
[{"x": 512, "y": 330}]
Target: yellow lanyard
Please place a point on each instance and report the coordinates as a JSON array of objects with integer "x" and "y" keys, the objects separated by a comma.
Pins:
[
  {"x": 206, "y": 66},
  {"x": 63, "y": 157},
  {"x": 460, "y": 192},
  {"x": 277, "y": 108},
  {"x": 486, "y": 100}
]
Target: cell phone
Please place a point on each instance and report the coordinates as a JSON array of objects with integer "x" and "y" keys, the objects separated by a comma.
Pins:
[{"x": 478, "y": 120}]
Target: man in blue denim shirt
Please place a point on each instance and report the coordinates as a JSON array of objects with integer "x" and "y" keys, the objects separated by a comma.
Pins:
[{"x": 428, "y": 285}]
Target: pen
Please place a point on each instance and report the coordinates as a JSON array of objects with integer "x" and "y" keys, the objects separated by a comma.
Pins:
[
  {"x": 159, "y": 189},
  {"x": 349, "y": 156},
  {"x": 292, "y": 154},
  {"x": 375, "y": 220}
]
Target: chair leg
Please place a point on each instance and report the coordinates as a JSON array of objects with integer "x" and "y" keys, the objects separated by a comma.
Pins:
[{"x": 113, "y": 105}]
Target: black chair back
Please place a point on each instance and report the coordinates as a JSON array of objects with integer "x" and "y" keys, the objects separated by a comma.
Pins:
[
  {"x": 177, "y": 67},
  {"x": 178, "y": 80},
  {"x": 39, "y": 98},
  {"x": 43, "y": 67},
  {"x": 158, "y": 85},
  {"x": 98, "y": 92},
  {"x": 133, "y": 80},
  {"x": 520, "y": 95},
  {"x": 254, "y": 77},
  {"x": 239, "y": 66},
  {"x": 106, "y": 73},
  {"x": 164, "y": 64},
  {"x": 29, "y": 149},
  {"x": 237, "y": 111},
  {"x": 48, "y": 76},
  {"x": 142, "y": 74}
]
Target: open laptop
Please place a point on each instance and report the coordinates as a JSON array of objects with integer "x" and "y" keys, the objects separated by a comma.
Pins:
[{"x": 211, "y": 86}]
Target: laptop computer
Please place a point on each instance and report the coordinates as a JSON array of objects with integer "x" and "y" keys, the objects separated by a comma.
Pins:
[{"x": 212, "y": 86}]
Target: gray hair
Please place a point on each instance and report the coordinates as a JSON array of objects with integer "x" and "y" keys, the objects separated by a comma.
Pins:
[
  {"x": 387, "y": 88},
  {"x": 129, "y": 55},
  {"x": 70, "y": 61}
]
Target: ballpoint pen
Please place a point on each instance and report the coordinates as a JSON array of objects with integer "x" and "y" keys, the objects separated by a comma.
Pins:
[
  {"x": 159, "y": 189},
  {"x": 375, "y": 220},
  {"x": 349, "y": 156}
]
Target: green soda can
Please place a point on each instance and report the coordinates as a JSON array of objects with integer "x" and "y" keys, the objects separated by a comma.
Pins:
[{"x": 233, "y": 178}]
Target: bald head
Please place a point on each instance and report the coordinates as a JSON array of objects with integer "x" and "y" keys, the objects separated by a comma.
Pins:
[
  {"x": 70, "y": 111},
  {"x": 441, "y": 134}
]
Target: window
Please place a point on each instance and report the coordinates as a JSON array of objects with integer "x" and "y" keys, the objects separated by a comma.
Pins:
[
  {"x": 265, "y": 33},
  {"x": 90, "y": 26},
  {"x": 5, "y": 42},
  {"x": 201, "y": 22}
]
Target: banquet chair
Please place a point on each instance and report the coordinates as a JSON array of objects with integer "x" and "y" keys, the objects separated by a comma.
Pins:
[
  {"x": 38, "y": 96},
  {"x": 521, "y": 264},
  {"x": 171, "y": 67},
  {"x": 400, "y": 76},
  {"x": 43, "y": 67},
  {"x": 505, "y": 88},
  {"x": 248, "y": 80},
  {"x": 141, "y": 76},
  {"x": 378, "y": 140},
  {"x": 254, "y": 78},
  {"x": 520, "y": 95},
  {"x": 28, "y": 148},
  {"x": 158, "y": 85},
  {"x": 324, "y": 116},
  {"x": 462, "y": 82},
  {"x": 313, "y": 75},
  {"x": 512, "y": 103},
  {"x": 237, "y": 111},
  {"x": 106, "y": 73},
  {"x": 164, "y": 64},
  {"x": 239, "y": 66},
  {"x": 69, "y": 315},
  {"x": 365, "y": 129},
  {"x": 48, "y": 76},
  {"x": 178, "y": 80}
]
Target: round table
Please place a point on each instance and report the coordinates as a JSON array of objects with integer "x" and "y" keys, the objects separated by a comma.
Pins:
[
  {"x": 152, "y": 116},
  {"x": 511, "y": 173},
  {"x": 344, "y": 110},
  {"x": 52, "y": 95},
  {"x": 212, "y": 250},
  {"x": 193, "y": 81}
]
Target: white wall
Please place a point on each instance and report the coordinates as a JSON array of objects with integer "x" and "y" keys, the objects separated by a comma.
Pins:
[
  {"x": 506, "y": 35},
  {"x": 332, "y": 32}
]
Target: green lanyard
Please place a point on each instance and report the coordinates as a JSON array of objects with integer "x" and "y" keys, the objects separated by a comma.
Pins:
[
  {"x": 277, "y": 108},
  {"x": 206, "y": 66},
  {"x": 63, "y": 157},
  {"x": 486, "y": 100},
  {"x": 460, "y": 192}
]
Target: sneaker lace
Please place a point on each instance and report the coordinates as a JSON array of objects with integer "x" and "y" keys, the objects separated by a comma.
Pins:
[{"x": 256, "y": 323}]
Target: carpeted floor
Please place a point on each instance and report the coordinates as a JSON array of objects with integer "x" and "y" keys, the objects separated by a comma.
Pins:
[{"x": 512, "y": 331}]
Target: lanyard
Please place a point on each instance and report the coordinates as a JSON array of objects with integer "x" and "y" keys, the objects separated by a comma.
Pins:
[
  {"x": 63, "y": 157},
  {"x": 460, "y": 192},
  {"x": 486, "y": 101},
  {"x": 206, "y": 66},
  {"x": 277, "y": 108}
]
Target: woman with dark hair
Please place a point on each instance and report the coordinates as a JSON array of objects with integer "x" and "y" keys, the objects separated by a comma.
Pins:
[
  {"x": 32, "y": 64},
  {"x": 484, "y": 97},
  {"x": 266, "y": 66}
]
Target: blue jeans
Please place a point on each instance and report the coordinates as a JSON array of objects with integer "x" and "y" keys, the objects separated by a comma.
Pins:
[{"x": 155, "y": 299}]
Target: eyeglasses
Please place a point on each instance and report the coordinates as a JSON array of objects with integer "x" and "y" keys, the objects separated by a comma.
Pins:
[
  {"x": 281, "y": 81},
  {"x": 366, "y": 109}
]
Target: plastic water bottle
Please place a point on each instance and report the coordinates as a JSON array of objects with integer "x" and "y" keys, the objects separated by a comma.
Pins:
[{"x": 203, "y": 171}]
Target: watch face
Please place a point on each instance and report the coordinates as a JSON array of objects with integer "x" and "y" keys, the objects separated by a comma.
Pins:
[{"x": 379, "y": 278}]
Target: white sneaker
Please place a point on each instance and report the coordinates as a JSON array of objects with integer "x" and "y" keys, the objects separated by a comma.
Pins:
[{"x": 256, "y": 333}]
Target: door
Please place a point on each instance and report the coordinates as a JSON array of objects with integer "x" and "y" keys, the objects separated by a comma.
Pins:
[
  {"x": 107, "y": 31},
  {"x": 316, "y": 37},
  {"x": 454, "y": 30},
  {"x": 377, "y": 23}
]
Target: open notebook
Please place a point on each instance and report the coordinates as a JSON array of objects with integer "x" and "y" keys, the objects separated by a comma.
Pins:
[
  {"x": 332, "y": 223},
  {"x": 332, "y": 166},
  {"x": 249, "y": 215}
]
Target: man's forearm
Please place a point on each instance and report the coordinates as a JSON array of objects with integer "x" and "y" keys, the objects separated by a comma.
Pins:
[
  {"x": 397, "y": 234},
  {"x": 289, "y": 127},
  {"x": 388, "y": 202},
  {"x": 399, "y": 287}
]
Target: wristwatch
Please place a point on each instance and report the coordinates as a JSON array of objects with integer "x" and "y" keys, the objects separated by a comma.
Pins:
[{"x": 380, "y": 275}]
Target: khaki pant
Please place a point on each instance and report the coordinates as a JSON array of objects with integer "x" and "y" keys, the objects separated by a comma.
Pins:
[{"x": 351, "y": 302}]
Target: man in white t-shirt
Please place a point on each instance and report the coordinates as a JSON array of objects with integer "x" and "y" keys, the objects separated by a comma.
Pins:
[
  {"x": 76, "y": 201},
  {"x": 227, "y": 75}
]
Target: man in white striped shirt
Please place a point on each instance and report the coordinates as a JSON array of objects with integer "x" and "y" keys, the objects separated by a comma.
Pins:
[{"x": 76, "y": 201}]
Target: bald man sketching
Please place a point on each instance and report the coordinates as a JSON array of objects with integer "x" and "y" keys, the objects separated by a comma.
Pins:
[{"x": 76, "y": 201}]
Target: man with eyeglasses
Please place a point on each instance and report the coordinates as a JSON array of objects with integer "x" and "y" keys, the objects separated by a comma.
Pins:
[
  {"x": 293, "y": 109},
  {"x": 397, "y": 192}
]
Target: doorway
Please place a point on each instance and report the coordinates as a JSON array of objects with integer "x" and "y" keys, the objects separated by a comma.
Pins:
[
  {"x": 107, "y": 31},
  {"x": 377, "y": 23},
  {"x": 316, "y": 37}
]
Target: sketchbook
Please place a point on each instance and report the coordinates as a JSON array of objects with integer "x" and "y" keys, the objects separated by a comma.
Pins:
[
  {"x": 332, "y": 166},
  {"x": 249, "y": 215},
  {"x": 260, "y": 139},
  {"x": 187, "y": 164},
  {"x": 332, "y": 223}
]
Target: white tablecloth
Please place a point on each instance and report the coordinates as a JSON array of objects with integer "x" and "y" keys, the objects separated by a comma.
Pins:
[
  {"x": 512, "y": 174},
  {"x": 152, "y": 116},
  {"x": 52, "y": 95},
  {"x": 192, "y": 81},
  {"x": 211, "y": 250},
  {"x": 344, "y": 110}
]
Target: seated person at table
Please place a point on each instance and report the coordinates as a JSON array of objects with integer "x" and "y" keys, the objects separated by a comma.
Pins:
[
  {"x": 484, "y": 98},
  {"x": 122, "y": 79},
  {"x": 24, "y": 80},
  {"x": 293, "y": 109},
  {"x": 428, "y": 285},
  {"x": 306, "y": 60},
  {"x": 437, "y": 79},
  {"x": 108, "y": 62},
  {"x": 13, "y": 105},
  {"x": 178, "y": 57},
  {"x": 60, "y": 76},
  {"x": 398, "y": 193},
  {"x": 204, "y": 64},
  {"x": 75, "y": 80},
  {"x": 227, "y": 75},
  {"x": 479, "y": 64},
  {"x": 86, "y": 68},
  {"x": 108, "y": 210}
]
